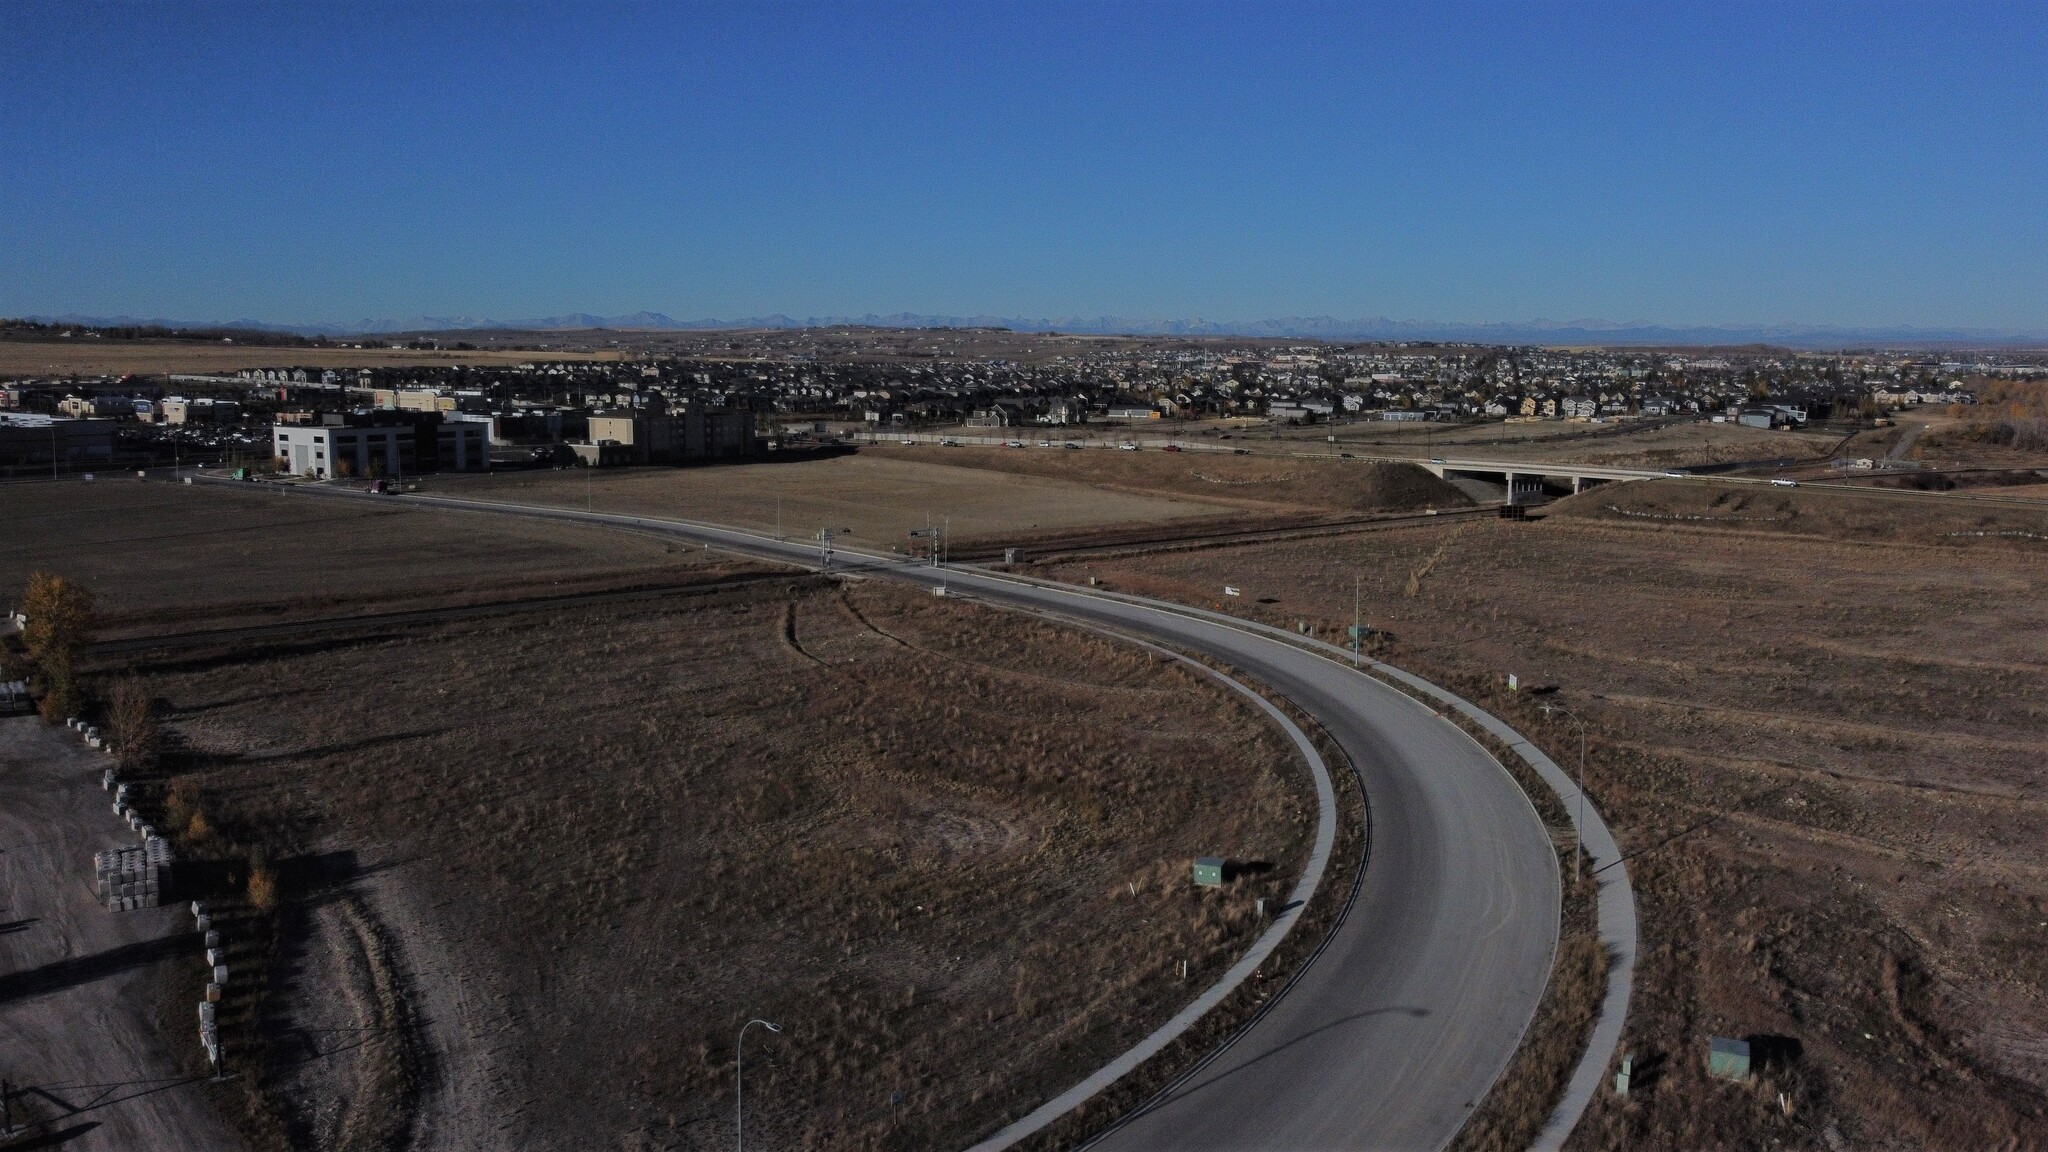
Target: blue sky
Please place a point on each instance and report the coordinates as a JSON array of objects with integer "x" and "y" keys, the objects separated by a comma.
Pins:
[{"x": 1714, "y": 163}]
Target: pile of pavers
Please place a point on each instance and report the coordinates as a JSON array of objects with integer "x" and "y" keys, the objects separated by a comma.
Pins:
[{"x": 131, "y": 878}]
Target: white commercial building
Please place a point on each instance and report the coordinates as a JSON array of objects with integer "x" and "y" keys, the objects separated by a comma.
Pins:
[{"x": 328, "y": 451}]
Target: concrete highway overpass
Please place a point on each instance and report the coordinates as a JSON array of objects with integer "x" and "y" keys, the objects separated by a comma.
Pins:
[{"x": 1524, "y": 480}]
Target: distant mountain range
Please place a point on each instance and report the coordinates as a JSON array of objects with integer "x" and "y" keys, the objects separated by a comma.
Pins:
[{"x": 1569, "y": 332}]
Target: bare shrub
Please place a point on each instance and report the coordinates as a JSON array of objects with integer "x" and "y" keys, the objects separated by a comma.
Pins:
[{"x": 132, "y": 722}]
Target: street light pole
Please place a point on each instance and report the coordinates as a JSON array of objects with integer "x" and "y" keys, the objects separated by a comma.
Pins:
[
  {"x": 739, "y": 1082},
  {"x": 1357, "y": 587},
  {"x": 1580, "y": 828}
]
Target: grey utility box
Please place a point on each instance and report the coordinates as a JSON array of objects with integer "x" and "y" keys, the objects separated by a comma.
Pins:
[
  {"x": 1209, "y": 872},
  {"x": 1728, "y": 1059}
]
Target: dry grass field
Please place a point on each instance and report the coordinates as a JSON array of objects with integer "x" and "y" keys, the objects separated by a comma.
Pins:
[
  {"x": 146, "y": 357},
  {"x": 880, "y": 497},
  {"x": 173, "y": 558},
  {"x": 1653, "y": 443},
  {"x": 1245, "y": 484},
  {"x": 946, "y": 848},
  {"x": 1818, "y": 728}
]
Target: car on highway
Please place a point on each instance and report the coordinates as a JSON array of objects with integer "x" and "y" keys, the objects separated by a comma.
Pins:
[
  {"x": 1073, "y": 444},
  {"x": 1438, "y": 460},
  {"x": 907, "y": 441},
  {"x": 1128, "y": 447},
  {"x": 1013, "y": 443},
  {"x": 1171, "y": 448},
  {"x": 1784, "y": 483},
  {"x": 949, "y": 443}
]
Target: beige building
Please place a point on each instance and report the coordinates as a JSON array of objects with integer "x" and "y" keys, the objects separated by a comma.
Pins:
[{"x": 412, "y": 400}]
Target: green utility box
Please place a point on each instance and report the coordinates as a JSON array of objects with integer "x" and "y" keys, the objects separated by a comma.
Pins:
[
  {"x": 1728, "y": 1059},
  {"x": 1209, "y": 872}
]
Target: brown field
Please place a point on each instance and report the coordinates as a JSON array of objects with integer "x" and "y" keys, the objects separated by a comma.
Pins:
[
  {"x": 173, "y": 558},
  {"x": 1654, "y": 443},
  {"x": 119, "y": 357},
  {"x": 1818, "y": 514},
  {"x": 1245, "y": 484},
  {"x": 1819, "y": 733},
  {"x": 554, "y": 861},
  {"x": 881, "y": 498}
]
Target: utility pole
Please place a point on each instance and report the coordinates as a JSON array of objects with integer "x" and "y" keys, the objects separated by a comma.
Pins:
[
  {"x": 739, "y": 1101},
  {"x": 1357, "y": 588},
  {"x": 1581, "y": 827},
  {"x": 824, "y": 549}
]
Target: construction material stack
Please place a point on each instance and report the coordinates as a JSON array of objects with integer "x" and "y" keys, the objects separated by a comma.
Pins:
[{"x": 131, "y": 878}]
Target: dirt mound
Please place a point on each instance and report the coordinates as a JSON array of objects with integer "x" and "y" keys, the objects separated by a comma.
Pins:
[
  {"x": 1215, "y": 477},
  {"x": 1833, "y": 515}
]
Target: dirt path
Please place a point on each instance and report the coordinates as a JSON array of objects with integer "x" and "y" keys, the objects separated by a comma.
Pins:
[
  {"x": 78, "y": 984},
  {"x": 459, "y": 1019}
]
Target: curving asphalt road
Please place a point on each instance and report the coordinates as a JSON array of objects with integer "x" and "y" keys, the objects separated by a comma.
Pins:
[{"x": 1422, "y": 993}]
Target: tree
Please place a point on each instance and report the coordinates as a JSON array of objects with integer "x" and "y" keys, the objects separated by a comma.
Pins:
[
  {"x": 132, "y": 722},
  {"x": 59, "y": 628}
]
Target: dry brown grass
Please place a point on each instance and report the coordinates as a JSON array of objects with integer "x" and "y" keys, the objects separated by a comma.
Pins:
[
  {"x": 947, "y": 848},
  {"x": 1246, "y": 483},
  {"x": 174, "y": 558},
  {"x": 881, "y": 498},
  {"x": 1822, "y": 746},
  {"x": 1704, "y": 509}
]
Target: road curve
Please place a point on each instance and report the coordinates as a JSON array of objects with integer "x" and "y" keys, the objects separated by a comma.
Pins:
[{"x": 1422, "y": 994}]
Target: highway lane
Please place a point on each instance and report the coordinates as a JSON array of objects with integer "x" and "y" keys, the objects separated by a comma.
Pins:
[{"x": 1424, "y": 991}]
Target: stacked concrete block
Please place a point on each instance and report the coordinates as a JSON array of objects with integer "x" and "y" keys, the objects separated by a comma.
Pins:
[{"x": 131, "y": 878}]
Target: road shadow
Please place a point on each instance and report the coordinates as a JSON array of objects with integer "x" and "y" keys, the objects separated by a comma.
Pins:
[
  {"x": 54, "y": 1139},
  {"x": 73, "y": 971}
]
